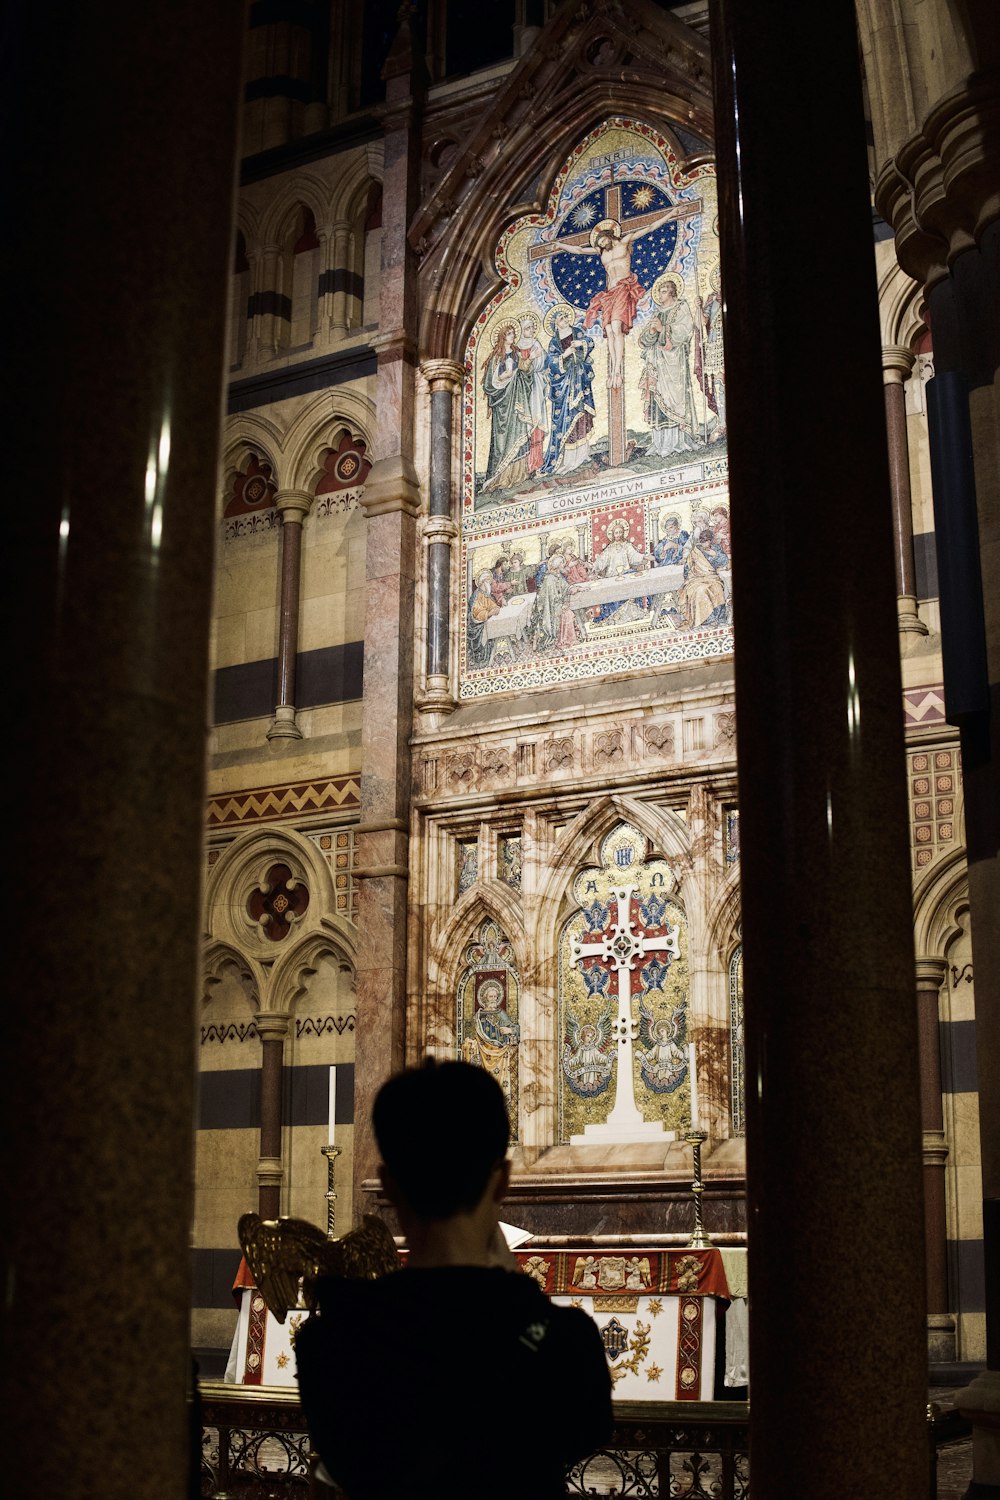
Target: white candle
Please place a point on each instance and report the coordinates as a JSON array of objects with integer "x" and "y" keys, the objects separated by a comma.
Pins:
[
  {"x": 331, "y": 1140},
  {"x": 693, "y": 1075}
]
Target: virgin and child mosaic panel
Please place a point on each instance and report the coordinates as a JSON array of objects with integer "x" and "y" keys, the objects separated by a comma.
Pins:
[
  {"x": 595, "y": 533},
  {"x": 487, "y": 1011},
  {"x": 623, "y": 957}
]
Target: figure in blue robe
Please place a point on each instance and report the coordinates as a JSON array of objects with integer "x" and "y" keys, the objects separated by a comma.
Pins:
[{"x": 571, "y": 391}]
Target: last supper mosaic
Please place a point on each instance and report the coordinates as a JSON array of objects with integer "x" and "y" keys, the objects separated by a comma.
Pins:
[{"x": 595, "y": 532}]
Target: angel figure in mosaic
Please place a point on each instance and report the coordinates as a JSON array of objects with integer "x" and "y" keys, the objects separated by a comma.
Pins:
[
  {"x": 662, "y": 1063},
  {"x": 588, "y": 1053},
  {"x": 493, "y": 1044}
]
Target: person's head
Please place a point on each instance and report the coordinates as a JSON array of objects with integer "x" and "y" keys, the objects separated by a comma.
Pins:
[
  {"x": 443, "y": 1132},
  {"x": 671, "y": 527},
  {"x": 484, "y": 580}
]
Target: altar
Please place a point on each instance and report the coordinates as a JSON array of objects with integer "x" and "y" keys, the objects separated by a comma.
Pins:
[
  {"x": 662, "y": 1315},
  {"x": 657, "y": 1311}
]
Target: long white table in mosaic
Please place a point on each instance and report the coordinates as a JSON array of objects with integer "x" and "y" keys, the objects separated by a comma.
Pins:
[
  {"x": 511, "y": 619},
  {"x": 627, "y": 586}
]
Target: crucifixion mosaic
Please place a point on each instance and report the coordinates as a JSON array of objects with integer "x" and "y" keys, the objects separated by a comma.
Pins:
[{"x": 595, "y": 501}]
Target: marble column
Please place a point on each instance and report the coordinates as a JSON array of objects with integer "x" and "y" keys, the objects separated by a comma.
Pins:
[
  {"x": 272, "y": 1028},
  {"x": 341, "y": 244},
  {"x": 391, "y": 502},
  {"x": 294, "y": 507},
  {"x": 897, "y": 363},
  {"x": 440, "y": 532},
  {"x": 940, "y": 1322},
  {"x": 833, "y": 1117},
  {"x": 125, "y": 163}
]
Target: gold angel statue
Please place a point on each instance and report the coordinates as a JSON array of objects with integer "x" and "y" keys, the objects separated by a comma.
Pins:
[{"x": 285, "y": 1255}]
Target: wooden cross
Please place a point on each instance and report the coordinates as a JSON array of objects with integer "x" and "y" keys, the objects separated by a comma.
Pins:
[
  {"x": 620, "y": 947},
  {"x": 613, "y": 210}
]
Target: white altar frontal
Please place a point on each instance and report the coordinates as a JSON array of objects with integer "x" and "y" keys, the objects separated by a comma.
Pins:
[{"x": 657, "y": 1311}]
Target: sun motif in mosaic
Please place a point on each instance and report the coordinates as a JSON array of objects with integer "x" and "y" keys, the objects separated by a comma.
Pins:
[{"x": 595, "y": 534}]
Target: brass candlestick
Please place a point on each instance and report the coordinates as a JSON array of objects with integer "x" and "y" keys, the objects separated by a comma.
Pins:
[
  {"x": 699, "y": 1239},
  {"x": 331, "y": 1153}
]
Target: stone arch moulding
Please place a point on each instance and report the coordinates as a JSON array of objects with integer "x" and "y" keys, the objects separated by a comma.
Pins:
[
  {"x": 900, "y": 306},
  {"x": 316, "y": 429},
  {"x": 248, "y": 225},
  {"x": 217, "y": 957},
  {"x": 577, "y": 846},
  {"x": 245, "y": 435},
  {"x": 492, "y": 902},
  {"x": 352, "y": 189},
  {"x": 300, "y": 191},
  {"x": 722, "y": 919},
  {"x": 242, "y": 868},
  {"x": 433, "y": 1014},
  {"x": 557, "y": 93},
  {"x": 938, "y": 901},
  {"x": 289, "y": 980}
]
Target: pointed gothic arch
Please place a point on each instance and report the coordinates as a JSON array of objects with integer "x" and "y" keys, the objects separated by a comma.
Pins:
[{"x": 488, "y": 186}]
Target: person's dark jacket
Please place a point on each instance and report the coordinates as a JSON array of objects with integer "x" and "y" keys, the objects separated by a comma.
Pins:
[{"x": 451, "y": 1382}]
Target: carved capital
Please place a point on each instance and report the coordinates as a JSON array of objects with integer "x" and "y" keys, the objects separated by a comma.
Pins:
[
  {"x": 272, "y": 1025},
  {"x": 294, "y": 505},
  {"x": 941, "y": 190},
  {"x": 930, "y": 973},
  {"x": 897, "y": 363},
  {"x": 443, "y": 374}
]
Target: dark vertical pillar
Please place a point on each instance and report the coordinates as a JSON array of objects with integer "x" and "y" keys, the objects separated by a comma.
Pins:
[
  {"x": 833, "y": 1122},
  {"x": 122, "y": 152},
  {"x": 272, "y": 1030},
  {"x": 294, "y": 506},
  {"x": 940, "y": 1323},
  {"x": 896, "y": 366},
  {"x": 963, "y": 421},
  {"x": 391, "y": 502}
]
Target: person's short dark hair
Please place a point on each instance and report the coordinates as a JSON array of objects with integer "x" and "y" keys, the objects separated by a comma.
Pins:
[{"x": 441, "y": 1129}]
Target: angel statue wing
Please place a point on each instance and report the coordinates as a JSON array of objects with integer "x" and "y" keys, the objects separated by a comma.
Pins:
[{"x": 284, "y": 1253}]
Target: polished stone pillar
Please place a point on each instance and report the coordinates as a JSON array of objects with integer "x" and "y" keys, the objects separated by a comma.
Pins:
[
  {"x": 940, "y": 1322},
  {"x": 126, "y": 121},
  {"x": 964, "y": 419},
  {"x": 272, "y": 1028},
  {"x": 897, "y": 363},
  {"x": 341, "y": 244},
  {"x": 294, "y": 507},
  {"x": 440, "y": 533},
  {"x": 391, "y": 501},
  {"x": 838, "y": 1362}
]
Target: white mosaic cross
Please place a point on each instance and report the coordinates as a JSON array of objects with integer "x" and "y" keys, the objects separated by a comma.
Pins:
[{"x": 620, "y": 947}]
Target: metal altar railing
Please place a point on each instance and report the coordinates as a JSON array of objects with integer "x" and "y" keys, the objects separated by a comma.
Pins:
[{"x": 255, "y": 1443}]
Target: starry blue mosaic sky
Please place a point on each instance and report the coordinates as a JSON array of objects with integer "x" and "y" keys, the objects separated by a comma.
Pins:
[{"x": 580, "y": 277}]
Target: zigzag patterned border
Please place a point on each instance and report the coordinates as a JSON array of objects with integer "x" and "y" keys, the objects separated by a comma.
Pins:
[
  {"x": 272, "y": 803},
  {"x": 924, "y": 705}
]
